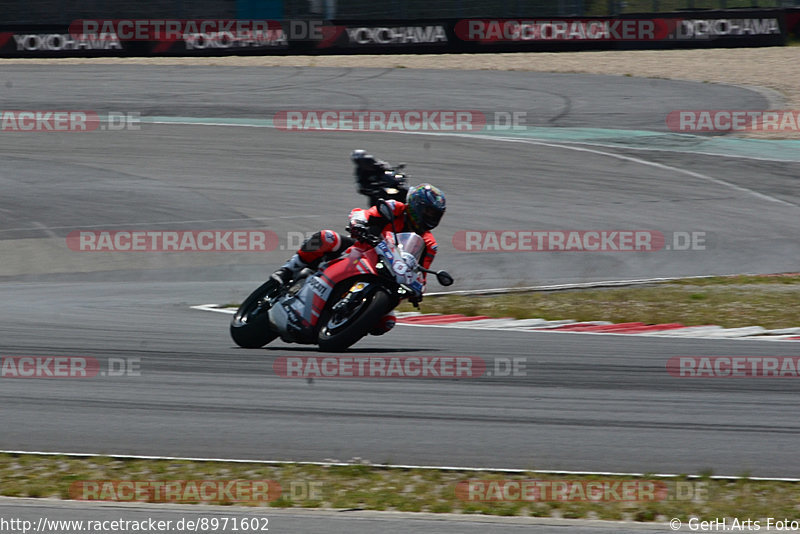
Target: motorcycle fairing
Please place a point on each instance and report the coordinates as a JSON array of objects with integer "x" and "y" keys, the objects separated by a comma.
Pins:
[{"x": 293, "y": 314}]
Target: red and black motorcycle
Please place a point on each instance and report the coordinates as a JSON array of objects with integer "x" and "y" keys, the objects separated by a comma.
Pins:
[{"x": 343, "y": 301}]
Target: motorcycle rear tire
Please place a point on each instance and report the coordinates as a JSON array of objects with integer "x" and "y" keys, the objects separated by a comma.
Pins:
[{"x": 254, "y": 331}]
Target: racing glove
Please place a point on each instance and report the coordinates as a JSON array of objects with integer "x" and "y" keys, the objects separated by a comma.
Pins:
[{"x": 362, "y": 232}]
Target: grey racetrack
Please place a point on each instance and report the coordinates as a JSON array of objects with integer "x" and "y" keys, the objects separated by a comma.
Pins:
[{"x": 587, "y": 402}]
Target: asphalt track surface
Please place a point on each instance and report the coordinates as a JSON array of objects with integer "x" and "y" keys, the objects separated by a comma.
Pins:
[
  {"x": 262, "y": 178},
  {"x": 586, "y": 403}
]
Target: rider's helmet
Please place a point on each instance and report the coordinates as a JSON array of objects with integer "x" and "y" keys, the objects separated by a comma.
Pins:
[{"x": 425, "y": 205}]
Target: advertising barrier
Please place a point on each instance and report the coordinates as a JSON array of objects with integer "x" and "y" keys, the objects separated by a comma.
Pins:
[
  {"x": 697, "y": 29},
  {"x": 792, "y": 17}
]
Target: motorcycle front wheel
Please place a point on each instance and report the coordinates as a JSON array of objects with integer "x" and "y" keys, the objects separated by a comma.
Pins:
[{"x": 340, "y": 332}]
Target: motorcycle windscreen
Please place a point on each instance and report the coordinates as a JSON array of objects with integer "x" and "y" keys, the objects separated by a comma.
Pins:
[{"x": 411, "y": 243}]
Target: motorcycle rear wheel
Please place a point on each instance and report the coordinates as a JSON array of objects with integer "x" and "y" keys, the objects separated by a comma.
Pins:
[{"x": 250, "y": 327}]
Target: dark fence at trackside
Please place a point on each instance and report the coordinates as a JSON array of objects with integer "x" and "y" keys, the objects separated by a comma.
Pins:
[
  {"x": 446, "y": 9},
  {"x": 94, "y": 37},
  {"x": 792, "y": 19},
  {"x": 60, "y": 12}
]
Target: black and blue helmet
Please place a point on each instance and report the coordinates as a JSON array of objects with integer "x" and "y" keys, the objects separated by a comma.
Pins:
[{"x": 425, "y": 205}]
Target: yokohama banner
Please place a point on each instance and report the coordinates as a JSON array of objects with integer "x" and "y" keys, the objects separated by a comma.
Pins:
[{"x": 265, "y": 37}]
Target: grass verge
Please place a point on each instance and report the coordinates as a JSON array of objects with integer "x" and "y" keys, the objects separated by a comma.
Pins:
[
  {"x": 729, "y": 301},
  {"x": 372, "y": 487}
]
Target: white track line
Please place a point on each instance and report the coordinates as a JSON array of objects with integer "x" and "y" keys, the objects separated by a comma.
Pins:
[
  {"x": 393, "y": 466},
  {"x": 673, "y": 151},
  {"x": 670, "y": 334},
  {"x": 453, "y": 134},
  {"x": 557, "y": 287},
  {"x": 582, "y": 285},
  {"x": 465, "y": 325},
  {"x": 640, "y": 161},
  {"x": 213, "y": 308},
  {"x": 659, "y": 334}
]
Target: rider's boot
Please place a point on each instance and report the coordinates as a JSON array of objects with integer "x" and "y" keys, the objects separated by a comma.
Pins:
[
  {"x": 289, "y": 270},
  {"x": 385, "y": 324}
]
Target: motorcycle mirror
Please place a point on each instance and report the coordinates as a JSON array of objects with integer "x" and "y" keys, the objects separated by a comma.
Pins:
[
  {"x": 444, "y": 278},
  {"x": 385, "y": 211}
]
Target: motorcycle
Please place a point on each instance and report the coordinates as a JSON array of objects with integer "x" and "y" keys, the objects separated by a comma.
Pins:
[
  {"x": 343, "y": 300},
  {"x": 376, "y": 179}
]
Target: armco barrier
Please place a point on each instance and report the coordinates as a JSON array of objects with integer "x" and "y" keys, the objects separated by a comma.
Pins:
[{"x": 732, "y": 28}]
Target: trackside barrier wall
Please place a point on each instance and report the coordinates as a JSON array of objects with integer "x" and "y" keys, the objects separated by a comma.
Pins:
[
  {"x": 792, "y": 21},
  {"x": 696, "y": 29}
]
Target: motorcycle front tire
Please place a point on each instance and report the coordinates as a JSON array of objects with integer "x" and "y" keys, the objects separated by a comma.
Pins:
[{"x": 357, "y": 327}]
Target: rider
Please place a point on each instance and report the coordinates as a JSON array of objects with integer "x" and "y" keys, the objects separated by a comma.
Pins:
[
  {"x": 377, "y": 179},
  {"x": 421, "y": 213}
]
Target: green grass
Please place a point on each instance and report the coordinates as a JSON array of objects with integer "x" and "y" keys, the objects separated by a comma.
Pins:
[
  {"x": 380, "y": 488},
  {"x": 730, "y": 301}
]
